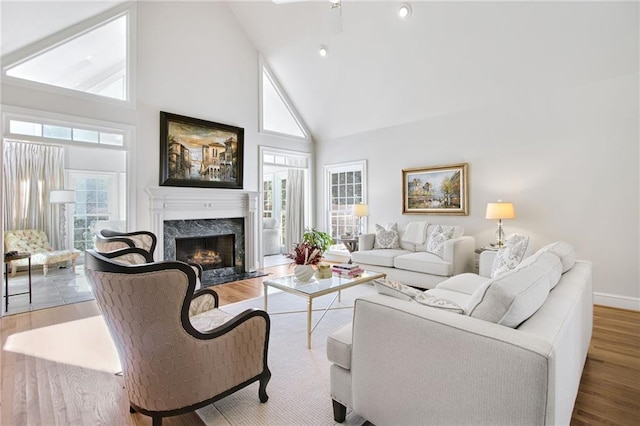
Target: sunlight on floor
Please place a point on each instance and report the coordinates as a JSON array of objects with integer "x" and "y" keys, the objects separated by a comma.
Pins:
[{"x": 84, "y": 343}]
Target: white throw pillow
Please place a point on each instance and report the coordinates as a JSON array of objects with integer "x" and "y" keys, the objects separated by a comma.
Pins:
[
  {"x": 395, "y": 289},
  {"x": 509, "y": 256},
  {"x": 435, "y": 243},
  {"x": 439, "y": 303},
  {"x": 387, "y": 238}
]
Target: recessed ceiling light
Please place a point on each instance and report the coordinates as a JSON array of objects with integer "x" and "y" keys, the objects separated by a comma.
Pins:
[
  {"x": 404, "y": 11},
  {"x": 323, "y": 51}
]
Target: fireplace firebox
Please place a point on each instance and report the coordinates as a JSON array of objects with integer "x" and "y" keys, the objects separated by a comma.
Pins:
[{"x": 210, "y": 251}]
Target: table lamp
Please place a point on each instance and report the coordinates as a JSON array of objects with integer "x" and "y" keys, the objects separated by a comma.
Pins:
[
  {"x": 360, "y": 210},
  {"x": 500, "y": 210},
  {"x": 62, "y": 197}
]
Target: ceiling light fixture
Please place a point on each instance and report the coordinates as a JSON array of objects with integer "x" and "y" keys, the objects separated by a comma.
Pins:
[
  {"x": 323, "y": 51},
  {"x": 404, "y": 11}
]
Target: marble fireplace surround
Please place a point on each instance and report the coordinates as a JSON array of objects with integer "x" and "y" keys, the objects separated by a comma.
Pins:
[{"x": 178, "y": 203}]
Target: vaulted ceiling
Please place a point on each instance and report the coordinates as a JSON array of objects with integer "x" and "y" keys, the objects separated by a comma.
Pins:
[{"x": 448, "y": 57}]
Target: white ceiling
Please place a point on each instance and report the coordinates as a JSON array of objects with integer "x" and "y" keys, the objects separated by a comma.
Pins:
[{"x": 381, "y": 71}]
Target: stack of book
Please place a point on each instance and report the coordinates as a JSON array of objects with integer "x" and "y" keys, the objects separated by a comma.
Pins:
[{"x": 347, "y": 270}]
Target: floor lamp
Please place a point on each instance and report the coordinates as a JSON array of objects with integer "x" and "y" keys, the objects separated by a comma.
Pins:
[
  {"x": 62, "y": 197},
  {"x": 500, "y": 210}
]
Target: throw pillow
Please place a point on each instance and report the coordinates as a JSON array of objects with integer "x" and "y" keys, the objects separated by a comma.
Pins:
[
  {"x": 509, "y": 256},
  {"x": 435, "y": 243},
  {"x": 395, "y": 289},
  {"x": 439, "y": 303},
  {"x": 387, "y": 238}
]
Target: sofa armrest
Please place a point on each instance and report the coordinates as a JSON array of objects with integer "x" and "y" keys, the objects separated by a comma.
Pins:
[
  {"x": 460, "y": 253},
  {"x": 456, "y": 369},
  {"x": 366, "y": 241},
  {"x": 486, "y": 262}
]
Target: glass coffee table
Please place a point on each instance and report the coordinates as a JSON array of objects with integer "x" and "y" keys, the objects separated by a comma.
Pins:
[{"x": 316, "y": 288}]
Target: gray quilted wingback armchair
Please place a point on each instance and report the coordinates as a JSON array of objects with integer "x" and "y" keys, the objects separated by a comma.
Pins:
[{"x": 178, "y": 351}]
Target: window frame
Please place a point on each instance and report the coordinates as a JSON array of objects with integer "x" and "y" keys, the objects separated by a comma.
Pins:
[
  {"x": 264, "y": 69},
  {"x": 78, "y": 30},
  {"x": 331, "y": 169}
]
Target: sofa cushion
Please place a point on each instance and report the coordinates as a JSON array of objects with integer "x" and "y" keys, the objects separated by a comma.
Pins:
[
  {"x": 339, "y": 346},
  {"x": 565, "y": 251},
  {"x": 208, "y": 320},
  {"x": 395, "y": 289},
  {"x": 387, "y": 238},
  {"x": 435, "y": 302},
  {"x": 380, "y": 257},
  {"x": 467, "y": 283},
  {"x": 511, "y": 298},
  {"x": 424, "y": 262},
  {"x": 460, "y": 299},
  {"x": 435, "y": 243},
  {"x": 509, "y": 256},
  {"x": 548, "y": 262}
]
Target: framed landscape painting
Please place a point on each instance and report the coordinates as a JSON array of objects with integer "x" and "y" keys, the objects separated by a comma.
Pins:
[
  {"x": 435, "y": 190},
  {"x": 200, "y": 153}
]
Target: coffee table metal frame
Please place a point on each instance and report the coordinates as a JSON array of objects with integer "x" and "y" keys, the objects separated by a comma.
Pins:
[{"x": 316, "y": 288}]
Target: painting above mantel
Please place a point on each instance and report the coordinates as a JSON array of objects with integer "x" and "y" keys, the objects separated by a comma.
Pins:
[{"x": 200, "y": 153}]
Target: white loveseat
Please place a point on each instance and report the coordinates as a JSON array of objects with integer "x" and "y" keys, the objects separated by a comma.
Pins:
[
  {"x": 405, "y": 363},
  {"x": 411, "y": 263}
]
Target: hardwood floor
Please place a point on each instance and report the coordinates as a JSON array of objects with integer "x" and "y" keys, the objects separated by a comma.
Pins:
[{"x": 38, "y": 389}]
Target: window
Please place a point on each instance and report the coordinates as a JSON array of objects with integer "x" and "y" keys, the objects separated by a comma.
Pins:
[
  {"x": 277, "y": 114},
  {"x": 344, "y": 187},
  {"x": 274, "y": 187},
  {"x": 91, "y": 57},
  {"x": 96, "y": 199},
  {"x": 41, "y": 129},
  {"x": 267, "y": 190}
]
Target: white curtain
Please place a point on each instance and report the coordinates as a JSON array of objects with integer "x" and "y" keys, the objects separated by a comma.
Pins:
[
  {"x": 30, "y": 172},
  {"x": 294, "y": 214}
]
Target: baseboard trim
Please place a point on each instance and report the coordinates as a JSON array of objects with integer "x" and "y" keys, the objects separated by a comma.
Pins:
[{"x": 616, "y": 301}]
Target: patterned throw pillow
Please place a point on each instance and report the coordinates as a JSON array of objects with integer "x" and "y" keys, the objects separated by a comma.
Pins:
[
  {"x": 434, "y": 302},
  {"x": 435, "y": 243},
  {"x": 509, "y": 256},
  {"x": 395, "y": 289},
  {"x": 387, "y": 238}
]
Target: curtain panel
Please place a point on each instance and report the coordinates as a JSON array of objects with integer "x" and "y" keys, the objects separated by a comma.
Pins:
[
  {"x": 30, "y": 172},
  {"x": 294, "y": 226}
]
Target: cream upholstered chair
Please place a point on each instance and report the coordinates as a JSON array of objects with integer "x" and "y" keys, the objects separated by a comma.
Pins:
[
  {"x": 178, "y": 351},
  {"x": 109, "y": 240}
]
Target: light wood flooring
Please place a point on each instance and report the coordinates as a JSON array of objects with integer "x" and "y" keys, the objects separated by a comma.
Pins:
[{"x": 37, "y": 390}]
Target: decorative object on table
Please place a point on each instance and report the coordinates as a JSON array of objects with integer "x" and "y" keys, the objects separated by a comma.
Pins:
[
  {"x": 62, "y": 197},
  {"x": 436, "y": 190},
  {"x": 305, "y": 255},
  {"x": 500, "y": 210},
  {"x": 320, "y": 239},
  {"x": 349, "y": 270},
  {"x": 324, "y": 270},
  {"x": 360, "y": 210},
  {"x": 195, "y": 152}
]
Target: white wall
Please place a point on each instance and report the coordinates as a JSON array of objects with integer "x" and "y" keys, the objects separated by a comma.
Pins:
[
  {"x": 195, "y": 60},
  {"x": 567, "y": 159}
]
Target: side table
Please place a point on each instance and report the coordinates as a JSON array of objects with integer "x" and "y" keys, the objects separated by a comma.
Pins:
[{"x": 7, "y": 261}]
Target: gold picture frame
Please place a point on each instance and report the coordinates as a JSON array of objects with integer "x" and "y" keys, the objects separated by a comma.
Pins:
[{"x": 442, "y": 190}]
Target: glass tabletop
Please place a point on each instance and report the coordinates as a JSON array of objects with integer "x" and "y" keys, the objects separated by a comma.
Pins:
[{"x": 315, "y": 285}]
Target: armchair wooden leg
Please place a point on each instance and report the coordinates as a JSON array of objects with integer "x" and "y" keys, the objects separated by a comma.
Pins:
[
  {"x": 339, "y": 411},
  {"x": 262, "y": 391},
  {"x": 156, "y": 420}
]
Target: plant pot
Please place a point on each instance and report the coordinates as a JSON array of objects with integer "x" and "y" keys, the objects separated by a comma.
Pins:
[{"x": 303, "y": 272}]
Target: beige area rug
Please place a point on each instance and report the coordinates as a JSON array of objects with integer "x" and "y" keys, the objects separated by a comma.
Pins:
[{"x": 299, "y": 387}]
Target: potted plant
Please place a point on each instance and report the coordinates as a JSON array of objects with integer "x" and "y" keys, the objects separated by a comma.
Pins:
[
  {"x": 317, "y": 238},
  {"x": 304, "y": 256}
]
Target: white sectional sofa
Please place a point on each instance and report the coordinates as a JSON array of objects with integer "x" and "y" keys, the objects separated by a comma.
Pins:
[
  {"x": 411, "y": 264},
  {"x": 515, "y": 356}
]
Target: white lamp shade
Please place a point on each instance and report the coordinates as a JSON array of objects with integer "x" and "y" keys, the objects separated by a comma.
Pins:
[
  {"x": 500, "y": 210},
  {"x": 62, "y": 196},
  {"x": 360, "y": 210}
]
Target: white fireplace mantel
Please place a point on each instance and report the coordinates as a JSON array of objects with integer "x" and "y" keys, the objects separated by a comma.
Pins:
[{"x": 178, "y": 203}]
